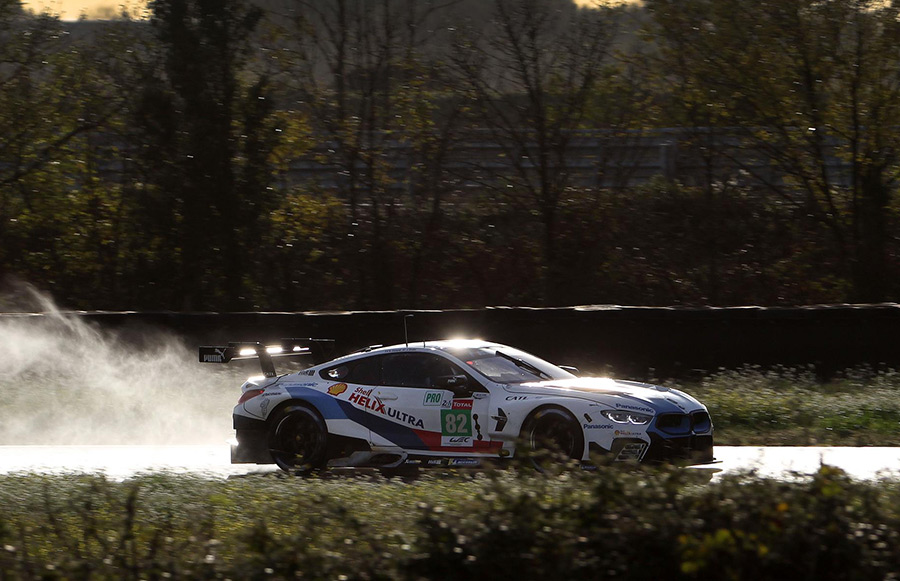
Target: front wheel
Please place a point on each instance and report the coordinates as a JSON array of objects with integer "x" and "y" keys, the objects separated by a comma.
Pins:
[
  {"x": 298, "y": 440},
  {"x": 553, "y": 436}
]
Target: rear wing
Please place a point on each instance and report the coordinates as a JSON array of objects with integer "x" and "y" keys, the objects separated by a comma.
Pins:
[{"x": 320, "y": 349}]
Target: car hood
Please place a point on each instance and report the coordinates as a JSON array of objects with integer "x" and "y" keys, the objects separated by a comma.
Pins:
[{"x": 618, "y": 394}]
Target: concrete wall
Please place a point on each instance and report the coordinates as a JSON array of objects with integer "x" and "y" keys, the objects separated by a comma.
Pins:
[{"x": 630, "y": 341}]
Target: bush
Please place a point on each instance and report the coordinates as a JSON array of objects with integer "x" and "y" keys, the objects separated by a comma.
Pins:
[{"x": 614, "y": 523}]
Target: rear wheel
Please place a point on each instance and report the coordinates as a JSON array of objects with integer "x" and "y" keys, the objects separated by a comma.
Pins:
[
  {"x": 298, "y": 440},
  {"x": 553, "y": 436}
]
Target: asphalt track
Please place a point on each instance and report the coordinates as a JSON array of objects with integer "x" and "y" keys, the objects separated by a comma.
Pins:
[{"x": 122, "y": 462}]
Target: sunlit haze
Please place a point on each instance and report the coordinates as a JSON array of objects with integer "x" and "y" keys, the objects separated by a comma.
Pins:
[
  {"x": 90, "y": 9},
  {"x": 107, "y": 9}
]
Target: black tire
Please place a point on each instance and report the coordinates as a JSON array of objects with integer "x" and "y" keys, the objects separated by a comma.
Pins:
[
  {"x": 298, "y": 440},
  {"x": 553, "y": 436}
]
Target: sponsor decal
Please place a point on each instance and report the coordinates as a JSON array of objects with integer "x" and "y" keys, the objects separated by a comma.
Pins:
[
  {"x": 413, "y": 462},
  {"x": 597, "y": 427},
  {"x": 363, "y": 398},
  {"x": 635, "y": 408},
  {"x": 272, "y": 394},
  {"x": 337, "y": 389},
  {"x": 464, "y": 462},
  {"x": 435, "y": 462},
  {"x": 405, "y": 418},
  {"x": 479, "y": 395},
  {"x": 433, "y": 399},
  {"x": 218, "y": 357},
  {"x": 306, "y": 372},
  {"x": 627, "y": 433},
  {"x": 516, "y": 397}
]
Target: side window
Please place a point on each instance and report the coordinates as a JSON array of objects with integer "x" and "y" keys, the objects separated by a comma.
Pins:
[
  {"x": 335, "y": 373},
  {"x": 366, "y": 371},
  {"x": 397, "y": 370},
  {"x": 416, "y": 370}
]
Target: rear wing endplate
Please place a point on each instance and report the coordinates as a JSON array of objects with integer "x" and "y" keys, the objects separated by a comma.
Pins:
[{"x": 319, "y": 349}]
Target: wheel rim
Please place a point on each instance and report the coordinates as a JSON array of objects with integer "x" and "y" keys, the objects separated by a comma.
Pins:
[{"x": 296, "y": 443}]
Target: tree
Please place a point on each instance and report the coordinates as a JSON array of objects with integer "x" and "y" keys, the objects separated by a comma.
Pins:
[
  {"x": 52, "y": 107},
  {"x": 811, "y": 87},
  {"x": 358, "y": 72},
  {"x": 534, "y": 78},
  {"x": 204, "y": 136}
]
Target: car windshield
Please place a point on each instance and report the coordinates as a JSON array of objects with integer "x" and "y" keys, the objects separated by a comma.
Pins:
[{"x": 507, "y": 365}]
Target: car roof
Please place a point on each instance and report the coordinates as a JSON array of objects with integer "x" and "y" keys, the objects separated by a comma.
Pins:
[
  {"x": 443, "y": 345},
  {"x": 425, "y": 346}
]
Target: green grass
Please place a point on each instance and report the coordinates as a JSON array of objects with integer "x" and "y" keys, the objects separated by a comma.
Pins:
[
  {"x": 783, "y": 406},
  {"x": 616, "y": 523}
]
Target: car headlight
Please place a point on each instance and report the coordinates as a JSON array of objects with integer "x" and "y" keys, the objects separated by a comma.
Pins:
[{"x": 622, "y": 417}]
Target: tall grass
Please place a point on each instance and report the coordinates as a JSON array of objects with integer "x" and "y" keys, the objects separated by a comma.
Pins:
[{"x": 792, "y": 406}]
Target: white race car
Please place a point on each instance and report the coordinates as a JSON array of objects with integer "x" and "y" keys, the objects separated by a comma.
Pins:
[{"x": 450, "y": 403}]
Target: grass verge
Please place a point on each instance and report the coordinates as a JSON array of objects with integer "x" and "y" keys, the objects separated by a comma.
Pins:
[{"x": 792, "y": 407}]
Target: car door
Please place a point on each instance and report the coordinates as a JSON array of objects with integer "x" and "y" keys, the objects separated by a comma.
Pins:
[
  {"x": 354, "y": 384},
  {"x": 432, "y": 396},
  {"x": 410, "y": 401}
]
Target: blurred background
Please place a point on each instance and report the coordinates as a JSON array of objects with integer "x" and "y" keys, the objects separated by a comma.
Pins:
[{"x": 430, "y": 154}]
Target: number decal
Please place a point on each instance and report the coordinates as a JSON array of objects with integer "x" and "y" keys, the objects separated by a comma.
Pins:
[
  {"x": 450, "y": 423},
  {"x": 456, "y": 423}
]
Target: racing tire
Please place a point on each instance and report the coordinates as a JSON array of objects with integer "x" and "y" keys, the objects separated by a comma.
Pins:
[
  {"x": 552, "y": 436},
  {"x": 298, "y": 440}
]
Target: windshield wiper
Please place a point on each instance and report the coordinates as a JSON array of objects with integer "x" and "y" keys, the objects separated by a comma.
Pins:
[{"x": 525, "y": 365}]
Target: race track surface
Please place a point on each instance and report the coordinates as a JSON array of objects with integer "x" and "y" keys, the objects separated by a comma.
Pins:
[{"x": 121, "y": 462}]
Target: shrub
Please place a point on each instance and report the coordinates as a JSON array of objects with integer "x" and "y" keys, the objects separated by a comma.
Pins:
[{"x": 614, "y": 523}]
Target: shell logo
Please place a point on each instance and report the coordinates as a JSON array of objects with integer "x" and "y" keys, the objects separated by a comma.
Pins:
[{"x": 337, "y": 389}]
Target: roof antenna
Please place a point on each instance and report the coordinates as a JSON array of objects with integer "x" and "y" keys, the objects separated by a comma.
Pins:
[{"x": 405, "y": 332}]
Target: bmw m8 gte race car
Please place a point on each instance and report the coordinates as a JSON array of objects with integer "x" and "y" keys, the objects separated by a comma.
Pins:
[{"x": 449, "y": 403}]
